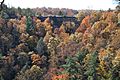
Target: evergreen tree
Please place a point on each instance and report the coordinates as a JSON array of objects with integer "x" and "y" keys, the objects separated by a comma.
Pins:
[
  {"x": 74, "y": 65},
  {"x": 41, "y": 47},
  {"x": 0, "y": 54},
  {"x": 29, "y": 24},
  {"x": 91, "y": 66}
]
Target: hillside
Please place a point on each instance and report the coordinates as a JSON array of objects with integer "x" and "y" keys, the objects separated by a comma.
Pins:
[{"x": 31, "y": 49}]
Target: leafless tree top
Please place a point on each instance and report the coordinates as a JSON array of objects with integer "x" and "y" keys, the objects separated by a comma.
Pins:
[{"x": 1, "y": 3}]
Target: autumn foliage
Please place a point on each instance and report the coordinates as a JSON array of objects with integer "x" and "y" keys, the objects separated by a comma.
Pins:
[{"x": 32, "y": 49}]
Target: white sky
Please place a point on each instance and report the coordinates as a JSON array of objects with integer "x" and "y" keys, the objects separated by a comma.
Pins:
[{"x": 72, "y": 4}]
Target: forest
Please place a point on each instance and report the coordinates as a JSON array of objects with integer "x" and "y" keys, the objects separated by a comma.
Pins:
[{"x": 31, "y": 49}]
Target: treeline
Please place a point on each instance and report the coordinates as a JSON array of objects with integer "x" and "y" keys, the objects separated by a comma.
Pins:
[{"x": 12, "y": 12}]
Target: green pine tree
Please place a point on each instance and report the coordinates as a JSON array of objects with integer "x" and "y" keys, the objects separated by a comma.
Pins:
[
  {"x": 74, "y": 65},
  {"x": 29, "y": 24},
  {"x": 91, "y": 66},
  {"x": 0, "y": 54},
  {"x": 41, "y": 47}
]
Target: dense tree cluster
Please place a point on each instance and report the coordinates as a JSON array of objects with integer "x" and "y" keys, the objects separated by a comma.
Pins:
[{"x": 34, "y": 50}]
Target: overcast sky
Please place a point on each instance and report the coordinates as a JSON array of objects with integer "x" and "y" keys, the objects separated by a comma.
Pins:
[{"x": 72, "y": 4}]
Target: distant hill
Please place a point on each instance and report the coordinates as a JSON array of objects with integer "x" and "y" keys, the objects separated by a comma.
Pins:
[{"x": 54, "y": 11}]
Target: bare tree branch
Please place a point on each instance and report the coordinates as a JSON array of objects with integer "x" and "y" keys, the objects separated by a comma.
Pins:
[{"x": 1, "y": 3}]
